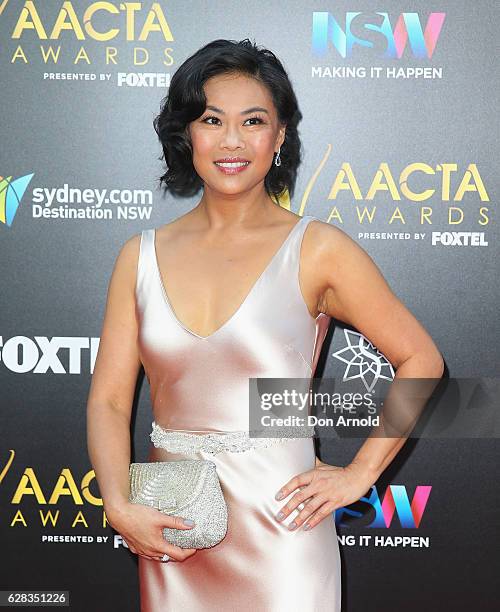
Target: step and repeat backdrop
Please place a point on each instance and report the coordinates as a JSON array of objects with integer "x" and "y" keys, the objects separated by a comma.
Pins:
[{"x": 400, "y": 146}]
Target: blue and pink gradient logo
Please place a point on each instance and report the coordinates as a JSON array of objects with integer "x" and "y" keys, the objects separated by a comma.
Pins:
[
  {"x": 11, "y": 194},
  {"x": 326, "y": 30},
  {"x": 396, "y": 501}
]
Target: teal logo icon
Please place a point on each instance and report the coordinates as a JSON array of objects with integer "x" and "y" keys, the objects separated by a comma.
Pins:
[{"x": 11, "y": 194}]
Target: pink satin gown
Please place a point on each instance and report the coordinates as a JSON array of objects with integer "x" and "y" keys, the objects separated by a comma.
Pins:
[{"x": 200, "y": 384}]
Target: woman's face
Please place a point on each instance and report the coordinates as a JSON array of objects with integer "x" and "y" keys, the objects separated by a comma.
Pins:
[{"x": 235, "y": 139}]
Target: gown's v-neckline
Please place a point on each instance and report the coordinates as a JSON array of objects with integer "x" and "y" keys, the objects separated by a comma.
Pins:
[{"x": 252, "y": 290}]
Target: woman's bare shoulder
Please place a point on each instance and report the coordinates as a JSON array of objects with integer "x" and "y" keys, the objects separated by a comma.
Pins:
[
  {"x": 128, "y": 255},
  {"x": 127, "y": 260},
  {"x": 327, "y": 250},
  {"x": 322, "y": 239},
  {"x": 129, "y": 251}
]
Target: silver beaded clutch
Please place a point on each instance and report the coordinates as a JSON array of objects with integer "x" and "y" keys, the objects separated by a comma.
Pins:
[{"x": 189, "y": 488}]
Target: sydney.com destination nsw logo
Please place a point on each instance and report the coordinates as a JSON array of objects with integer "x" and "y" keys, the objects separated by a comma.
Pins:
[
  {"x": 11, "y": 193},
  {"x": 72, "y": 202}
]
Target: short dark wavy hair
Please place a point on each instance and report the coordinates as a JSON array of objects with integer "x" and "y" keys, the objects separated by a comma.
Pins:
[{"x": 186, "y": 101}]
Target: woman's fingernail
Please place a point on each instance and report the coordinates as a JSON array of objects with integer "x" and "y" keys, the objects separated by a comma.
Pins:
[
  {"x": 279, "y": 495},
  {"x": 188, "y": 522},
  {"x": 292, "y": 525},
  {"x": 280, "y": 515},
  {"x": 307, "y": 526}
]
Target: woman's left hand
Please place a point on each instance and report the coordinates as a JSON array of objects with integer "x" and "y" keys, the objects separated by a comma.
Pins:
[{"x": 322, "y": 490}]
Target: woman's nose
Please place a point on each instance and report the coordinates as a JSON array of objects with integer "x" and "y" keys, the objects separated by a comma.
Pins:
[{"x": 232, "y": 136}]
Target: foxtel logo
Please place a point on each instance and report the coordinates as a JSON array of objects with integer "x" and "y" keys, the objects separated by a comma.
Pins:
[
  {"x": 11, "y": 194},
  {"x": 459, "y": 239},
  {"x": 143, "y": 79},
  {"x": 60, "y": 355}
]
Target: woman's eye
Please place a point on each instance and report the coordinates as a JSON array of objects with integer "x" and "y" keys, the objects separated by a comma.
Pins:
[
  {"x": 258, "y": 119},
  {"x": 208, "y": 120}
]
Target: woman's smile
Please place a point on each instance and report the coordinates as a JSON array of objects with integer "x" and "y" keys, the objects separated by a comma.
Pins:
[{"x": 232, "y": 165}]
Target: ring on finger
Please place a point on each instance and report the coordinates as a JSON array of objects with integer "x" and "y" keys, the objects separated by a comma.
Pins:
[{"x": 164, "y": 558}]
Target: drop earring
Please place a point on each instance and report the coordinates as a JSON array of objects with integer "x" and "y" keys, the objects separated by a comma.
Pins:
[{"x": 277, "y": 159}]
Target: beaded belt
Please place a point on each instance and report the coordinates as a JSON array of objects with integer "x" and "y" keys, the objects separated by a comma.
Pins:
[{"x": 182, "y": 441}]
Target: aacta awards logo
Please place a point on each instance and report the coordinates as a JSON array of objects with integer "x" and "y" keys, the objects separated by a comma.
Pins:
[
  {"x": 11, "y": 193},
  {"x": 30, "y": 484},
  {"x": 85, "y": 33}
]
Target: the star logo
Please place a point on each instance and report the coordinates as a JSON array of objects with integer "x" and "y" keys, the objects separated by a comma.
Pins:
[{"x": 363, "y": 361}]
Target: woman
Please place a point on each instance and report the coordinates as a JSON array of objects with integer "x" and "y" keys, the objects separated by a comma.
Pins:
[{"x": 238, "y": 287}]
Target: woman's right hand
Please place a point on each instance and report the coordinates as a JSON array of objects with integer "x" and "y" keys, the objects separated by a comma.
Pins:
[{"x": 141, "y": 527}]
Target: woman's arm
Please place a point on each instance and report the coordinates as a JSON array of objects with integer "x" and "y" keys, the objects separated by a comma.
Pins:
[
  {"x": 113, "y": 383},
  {"x": 347, "y": 285},
  {"x": 352, "y": 289},
  {"x": 109, "y": 410}
]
